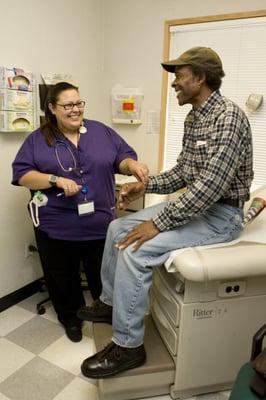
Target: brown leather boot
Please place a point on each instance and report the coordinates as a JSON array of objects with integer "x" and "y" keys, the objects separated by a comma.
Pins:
[{"x": 97, "y": 312}]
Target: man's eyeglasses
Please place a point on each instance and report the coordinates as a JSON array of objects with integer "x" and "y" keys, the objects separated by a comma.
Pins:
[{"x": 70, "y": 106}]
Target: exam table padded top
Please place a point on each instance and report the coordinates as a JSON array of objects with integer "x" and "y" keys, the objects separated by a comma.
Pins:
[{"x": 242, "y": 259}]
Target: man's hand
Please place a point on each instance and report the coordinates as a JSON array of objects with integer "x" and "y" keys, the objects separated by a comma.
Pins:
[
  {"x": 138, "y": 235},
  {"x": 130, "y": 192}
]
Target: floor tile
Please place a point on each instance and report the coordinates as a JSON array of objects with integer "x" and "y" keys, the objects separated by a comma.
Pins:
[
  {"x": 225, "y": 395},
  {"x": 13, "y": 357},
  {"x": 87, "y": 329},
  {"x": 38, "y": 362},
  {"x": 36, "y": 334},
  {"x": 50, "y": 314},
  {"x": 69, "y": 355},
  {"x": 214, "y": 396},
  {"x": 78, "y": 389},
  {"x": 165, "y": 397},
  {"x": 37, "y": 380},
  {"x": 31, "y": 302},
  {"x": 87, "y": 296},
  {"x": 3, "y": 397},
  {"x": 210, "y": 396},
  {"x": 12, "y": 318}
]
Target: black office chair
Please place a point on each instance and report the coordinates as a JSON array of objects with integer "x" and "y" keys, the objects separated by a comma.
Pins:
[{"x": 40, "y": 307}]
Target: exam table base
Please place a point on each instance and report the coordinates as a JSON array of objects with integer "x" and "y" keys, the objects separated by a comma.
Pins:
[
  {"x": 201, "y": 352},
  {"x": 154, "y": 378},
  {"x": 207, "y": 330}
]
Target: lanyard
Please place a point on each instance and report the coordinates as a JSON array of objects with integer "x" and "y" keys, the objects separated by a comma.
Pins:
[{"x": 39, "y": 200}]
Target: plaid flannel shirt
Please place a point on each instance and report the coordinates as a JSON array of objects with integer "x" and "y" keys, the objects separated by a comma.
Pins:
[{"x": 215, "y": 161}]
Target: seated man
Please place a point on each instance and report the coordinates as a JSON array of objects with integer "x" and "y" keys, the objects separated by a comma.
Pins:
[{"x": 215, "y": 165}]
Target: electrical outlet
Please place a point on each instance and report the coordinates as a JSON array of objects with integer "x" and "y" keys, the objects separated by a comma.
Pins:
[
  {"x": 27, "y": 251},
  {"x": 232, "y": 289}
]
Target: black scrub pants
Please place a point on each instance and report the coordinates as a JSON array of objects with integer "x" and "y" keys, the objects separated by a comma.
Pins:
[{"x": 60, "y": 260}]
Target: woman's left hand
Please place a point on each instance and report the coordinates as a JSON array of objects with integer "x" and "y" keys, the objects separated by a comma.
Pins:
[{"x": 139, "y": 170}]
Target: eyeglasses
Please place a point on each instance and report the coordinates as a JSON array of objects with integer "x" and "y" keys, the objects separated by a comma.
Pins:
[{"x": 70, "y": 106}]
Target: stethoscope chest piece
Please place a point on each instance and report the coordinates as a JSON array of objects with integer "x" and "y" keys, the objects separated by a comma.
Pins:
[{"x": 82, "y": 129}]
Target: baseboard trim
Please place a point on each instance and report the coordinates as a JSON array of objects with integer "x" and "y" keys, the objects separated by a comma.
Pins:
[{"x": 20, "y": 294}]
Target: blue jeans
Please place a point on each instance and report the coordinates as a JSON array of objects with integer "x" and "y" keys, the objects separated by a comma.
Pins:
[{"x": 127, "y": 275}]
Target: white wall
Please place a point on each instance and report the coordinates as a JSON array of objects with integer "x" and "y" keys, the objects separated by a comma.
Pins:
[
  {"x": 102, "y": 43},
  {"x": 42, "y": 36},
  {"x": 134, "y": 33}
]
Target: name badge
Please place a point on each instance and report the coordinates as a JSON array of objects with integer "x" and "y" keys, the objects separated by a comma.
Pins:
[
  {"x": 201, "y": 142},
  {"x": 86, "y": 208}
]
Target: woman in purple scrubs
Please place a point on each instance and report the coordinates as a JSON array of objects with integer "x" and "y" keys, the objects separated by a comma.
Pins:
[{"x": 72, "y": 161}]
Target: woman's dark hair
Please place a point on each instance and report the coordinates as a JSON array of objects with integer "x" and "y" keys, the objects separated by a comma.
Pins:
[{"x": 49, "y": 127}]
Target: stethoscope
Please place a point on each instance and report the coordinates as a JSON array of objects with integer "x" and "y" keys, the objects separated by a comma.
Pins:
[{"x": 61, "y": 143}]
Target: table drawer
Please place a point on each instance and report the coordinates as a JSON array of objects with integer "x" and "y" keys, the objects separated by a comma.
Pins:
[
  {"x": 167, "y": 332},
  {"x": 168, "y": 303}
]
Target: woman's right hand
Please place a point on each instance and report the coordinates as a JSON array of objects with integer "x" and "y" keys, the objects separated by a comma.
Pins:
[{"x": 69, "y": 186}]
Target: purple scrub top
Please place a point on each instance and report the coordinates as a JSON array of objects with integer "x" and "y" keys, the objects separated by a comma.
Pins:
[{"x": 93, "y": 164}]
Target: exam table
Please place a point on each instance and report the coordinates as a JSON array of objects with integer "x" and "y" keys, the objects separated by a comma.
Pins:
[{"x": 205, "y": 305}]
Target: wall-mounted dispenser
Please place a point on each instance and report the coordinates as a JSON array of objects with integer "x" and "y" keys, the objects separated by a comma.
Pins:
[
  {"x": 126, "y": 105},
  {"x": 16, "y": 78},
  {"x": 254, "y": 102},
  {"x": 17, "y": 100}
]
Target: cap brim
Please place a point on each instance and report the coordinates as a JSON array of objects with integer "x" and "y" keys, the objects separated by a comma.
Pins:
[{"x": 170, "y": 66}]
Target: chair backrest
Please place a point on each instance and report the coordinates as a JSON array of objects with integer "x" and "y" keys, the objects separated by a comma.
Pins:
[{"x": 258, "y": 362}]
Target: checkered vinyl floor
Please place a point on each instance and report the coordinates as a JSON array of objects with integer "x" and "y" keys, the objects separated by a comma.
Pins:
[{"x": 38, "y": 362}]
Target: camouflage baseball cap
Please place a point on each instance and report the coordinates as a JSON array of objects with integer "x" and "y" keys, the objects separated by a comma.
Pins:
[{"x": 203, "y": 57}]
